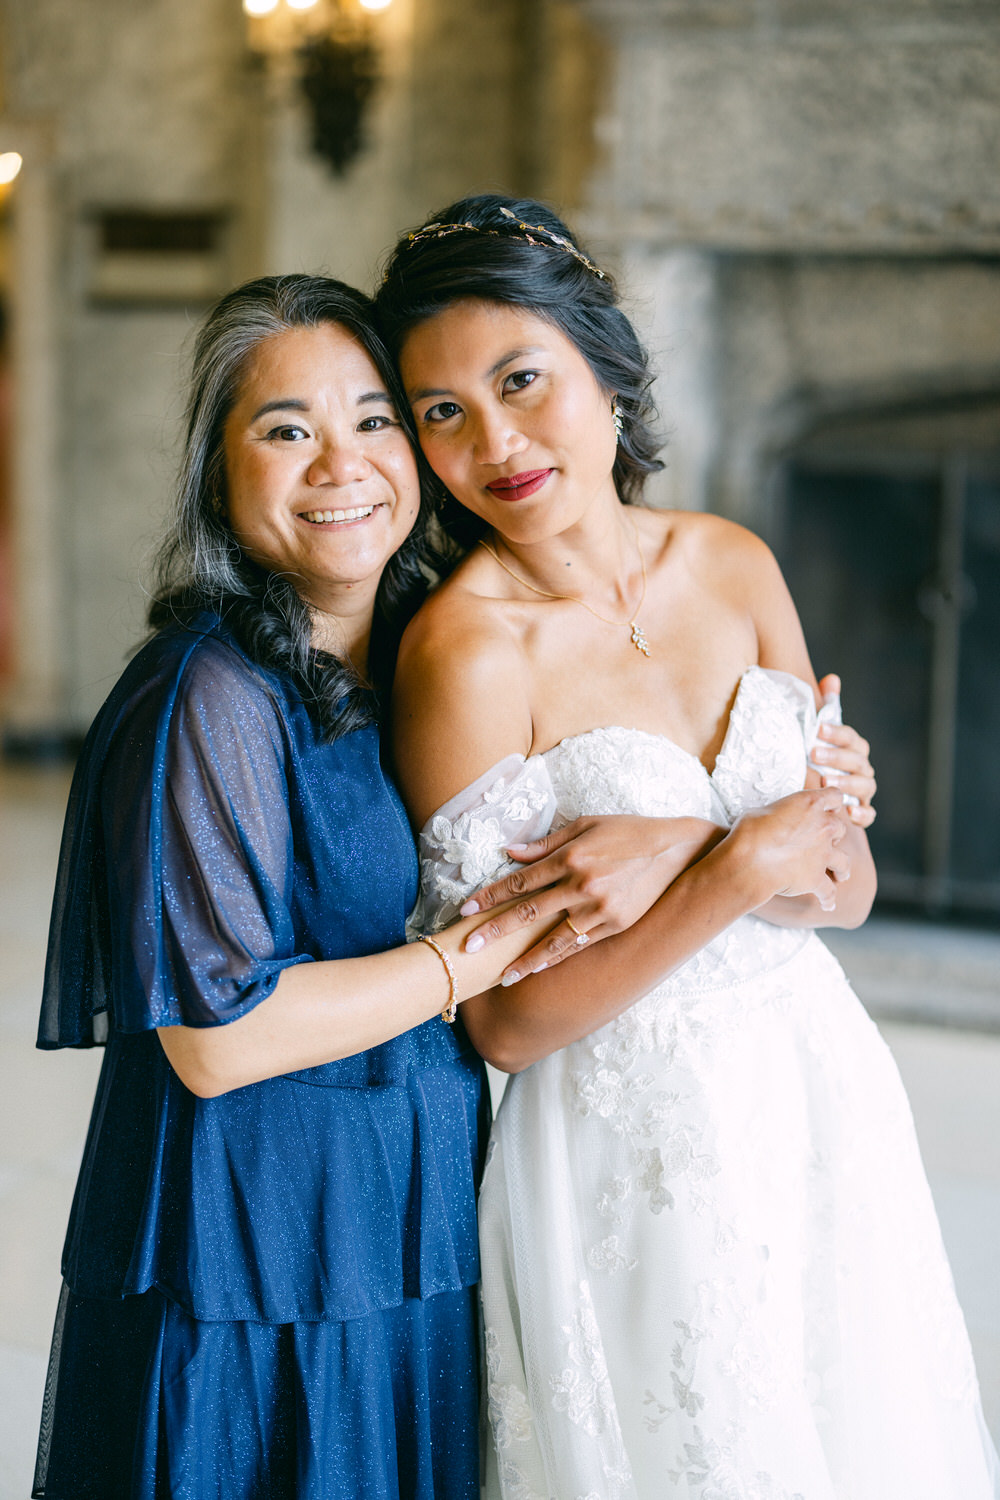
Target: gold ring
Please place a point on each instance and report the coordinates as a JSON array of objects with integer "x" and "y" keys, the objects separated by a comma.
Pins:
[{"x": 581, "y": 937}]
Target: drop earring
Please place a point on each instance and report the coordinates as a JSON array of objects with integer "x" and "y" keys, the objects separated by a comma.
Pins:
[{"x": 618, "y": 419}]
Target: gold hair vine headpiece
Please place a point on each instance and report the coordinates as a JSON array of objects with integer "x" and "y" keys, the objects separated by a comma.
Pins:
[{"x": 552, "y": 241}]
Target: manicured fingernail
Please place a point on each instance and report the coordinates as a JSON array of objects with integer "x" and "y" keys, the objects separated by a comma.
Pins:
[
  {"x": 475, "y": 942},
  {"x": 517, "y": 848},
  {"x": 540, "y": 968},
  {"x": 820, "y": 753},
  {"x": 469, "y": 909},
  {"x": 510, "y": 978}
]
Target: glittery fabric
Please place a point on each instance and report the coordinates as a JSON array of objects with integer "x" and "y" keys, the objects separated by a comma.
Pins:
[
  {"x": 212, "y": 841},
  {"x": 380, "y": 1408}
]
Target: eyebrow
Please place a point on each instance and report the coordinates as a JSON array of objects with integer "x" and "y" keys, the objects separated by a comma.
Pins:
[
  {"x": 286, "y": 403},
  {"x": 505, "y": 359},
  {"x": 293, "y": 403}
]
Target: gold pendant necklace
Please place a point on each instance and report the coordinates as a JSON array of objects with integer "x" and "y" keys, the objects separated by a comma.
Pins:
[{"x": 637, "y": 637}]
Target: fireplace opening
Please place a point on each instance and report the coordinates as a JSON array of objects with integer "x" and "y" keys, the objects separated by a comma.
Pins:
[{"x": 888, "y": 528}]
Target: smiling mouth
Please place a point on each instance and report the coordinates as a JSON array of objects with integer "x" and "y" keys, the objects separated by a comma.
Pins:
[
  {"x": 326, "y": 517},
  {"x": 519, "y": 486}
]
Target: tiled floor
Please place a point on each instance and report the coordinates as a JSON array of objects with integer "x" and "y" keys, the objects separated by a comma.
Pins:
[{"x": 953, "y": 1077}]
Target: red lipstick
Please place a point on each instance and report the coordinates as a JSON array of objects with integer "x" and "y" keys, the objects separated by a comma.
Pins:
[{"x": 519, "y": 486}]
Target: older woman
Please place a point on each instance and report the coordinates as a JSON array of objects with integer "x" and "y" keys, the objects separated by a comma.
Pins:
[{"x": 271, "y": 1261}]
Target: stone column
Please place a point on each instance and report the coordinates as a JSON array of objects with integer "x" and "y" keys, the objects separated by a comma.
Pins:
[
  {"x": 35, "y": 709},
  {"x": 671, "y": 296}
]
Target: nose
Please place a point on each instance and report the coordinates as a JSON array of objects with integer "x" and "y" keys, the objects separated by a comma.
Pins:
[
  {"x": 339, "y": 461},
  {"x": 496, "y": 437}
]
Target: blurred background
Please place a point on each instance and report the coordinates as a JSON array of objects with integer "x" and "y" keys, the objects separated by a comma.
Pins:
[{"x": 802, "y": 200}]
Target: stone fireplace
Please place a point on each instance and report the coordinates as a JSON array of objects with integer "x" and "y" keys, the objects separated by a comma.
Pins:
[{"x": 804, "y": 198}]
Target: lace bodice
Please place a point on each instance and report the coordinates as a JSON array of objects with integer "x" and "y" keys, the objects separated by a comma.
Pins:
[{"x": 771, "y": 728}]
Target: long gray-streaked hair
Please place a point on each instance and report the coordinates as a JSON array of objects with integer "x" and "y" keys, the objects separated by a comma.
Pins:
[{"x": 201, "y": 565}]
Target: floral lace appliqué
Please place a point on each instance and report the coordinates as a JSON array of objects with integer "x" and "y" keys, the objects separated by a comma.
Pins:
[
  {"x": 508, "y": 1406},
  {"x": 583, "y": 1391},
  {"x": 462, "y": 846}
]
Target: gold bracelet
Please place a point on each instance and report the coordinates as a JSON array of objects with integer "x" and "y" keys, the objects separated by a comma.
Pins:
[{"x": 451, "y": 1009}]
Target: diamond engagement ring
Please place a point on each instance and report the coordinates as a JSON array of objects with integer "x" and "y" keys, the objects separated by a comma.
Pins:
[{"x": 581, "y": 937}]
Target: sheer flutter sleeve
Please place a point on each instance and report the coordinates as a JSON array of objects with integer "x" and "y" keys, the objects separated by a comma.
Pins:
[
  {"x": 201, "y": 886},
  {"x": 177, "y": 859},
  {"x": 462, "y": 846}
]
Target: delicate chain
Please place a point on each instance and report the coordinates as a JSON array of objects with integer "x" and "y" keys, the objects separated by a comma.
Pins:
[
  {"x": 450, "y": 1010},
  {"x": 638, "y": 637}
]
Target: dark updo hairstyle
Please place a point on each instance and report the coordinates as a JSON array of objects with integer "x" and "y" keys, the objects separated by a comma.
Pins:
[
  {"x": 496, "y": 259},
  {"x": 201, "y": 565}
]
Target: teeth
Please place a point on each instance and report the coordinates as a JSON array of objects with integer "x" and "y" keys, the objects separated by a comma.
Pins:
[{"x": 358, "y": 513}]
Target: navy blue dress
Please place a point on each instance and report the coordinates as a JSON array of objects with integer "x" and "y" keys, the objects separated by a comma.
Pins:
[{"x": 270, "y": 1293}]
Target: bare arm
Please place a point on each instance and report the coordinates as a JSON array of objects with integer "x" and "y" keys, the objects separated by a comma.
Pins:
[
  {"x": 319, "y": 1012},
  {"x": 787, "y": 845},
  {"x": 781, "y": 645}
]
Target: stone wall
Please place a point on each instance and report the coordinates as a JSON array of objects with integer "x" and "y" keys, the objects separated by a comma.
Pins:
[
  {"x": 155, "y": 104},
  {"x": 801, "y": 194},
  {"x": 805, "y": 196},
  {"x": 119, "y": 106}
]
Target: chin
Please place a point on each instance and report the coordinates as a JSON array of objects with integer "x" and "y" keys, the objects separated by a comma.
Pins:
[{"x": 530, "y": 530}]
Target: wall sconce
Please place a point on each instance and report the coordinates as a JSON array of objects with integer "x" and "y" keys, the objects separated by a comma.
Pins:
[
  {"x": 328, "y": 46},
  {"x": 11, "y": 163}
]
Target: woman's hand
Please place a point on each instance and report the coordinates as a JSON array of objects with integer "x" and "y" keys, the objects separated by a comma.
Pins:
[
  {"x": 603, "y": 873},
  {"x": 793, "y": 846},
  {"x": 843, "y": 755}
]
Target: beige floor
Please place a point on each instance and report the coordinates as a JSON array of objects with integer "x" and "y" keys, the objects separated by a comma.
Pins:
[{"x": 953, "y": 1076}]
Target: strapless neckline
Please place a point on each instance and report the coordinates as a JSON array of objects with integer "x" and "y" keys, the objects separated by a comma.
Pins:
[{"x": 656, "y": 736}]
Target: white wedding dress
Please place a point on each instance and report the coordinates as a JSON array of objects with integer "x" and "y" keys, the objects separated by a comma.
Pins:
[{"x": 711, "y": 1263}]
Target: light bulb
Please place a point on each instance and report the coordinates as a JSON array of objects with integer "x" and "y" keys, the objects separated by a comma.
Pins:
[
  {"x": 375, "y": 4},
  {"x": 11, "y": 163},
  {"x": 259, "y": 7}
]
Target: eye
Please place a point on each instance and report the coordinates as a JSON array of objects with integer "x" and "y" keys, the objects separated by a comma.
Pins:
[
  {"x": 519, "y": 380},
  {"x": 287, "y": 434},
  {"x": 441, "y": 412},
  {"x": 376, "y": 424}
]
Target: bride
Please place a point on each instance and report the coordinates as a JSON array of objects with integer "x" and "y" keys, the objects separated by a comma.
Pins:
[{"x": 711, "y": 1264}]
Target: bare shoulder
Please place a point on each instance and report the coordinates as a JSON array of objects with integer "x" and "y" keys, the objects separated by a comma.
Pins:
[
  {"x": 458, "y": 638},
  {"x": 460, "y": 703},
  {"x": 713, "y": 547},
  {"x": 737, "y": 571}
]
